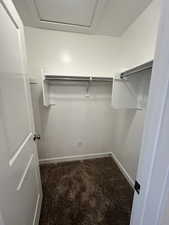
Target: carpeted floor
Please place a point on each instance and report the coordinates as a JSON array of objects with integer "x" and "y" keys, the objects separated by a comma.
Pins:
[{"x": 89, "y": 192}]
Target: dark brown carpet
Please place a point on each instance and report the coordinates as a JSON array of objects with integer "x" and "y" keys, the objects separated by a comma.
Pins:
[{"x": 89, "y": 192}]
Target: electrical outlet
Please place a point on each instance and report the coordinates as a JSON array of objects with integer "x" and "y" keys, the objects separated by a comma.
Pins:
[{"x": 80, "y": 143}]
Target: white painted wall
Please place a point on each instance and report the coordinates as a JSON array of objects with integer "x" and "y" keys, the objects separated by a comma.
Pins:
[
  {"x": 71, "y": 53},
  {"x": 138, "y": 47},
  {"x": 138, "y": 42},
  {"x": 75, "y": 125},
  {"x": 76, "y": 54}
]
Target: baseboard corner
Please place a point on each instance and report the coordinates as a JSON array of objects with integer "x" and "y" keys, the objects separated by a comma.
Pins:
[{"x": 123, "y": 170}]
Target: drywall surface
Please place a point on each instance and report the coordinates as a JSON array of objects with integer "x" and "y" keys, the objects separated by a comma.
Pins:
[
  {"x": 70, "y": 53},
  {"x": 83, "y": 126},
  {"x": 78, "y": 54},
  {"x": 76, "y": 125},
  {"x": 127, "y": 138},
  {"x": 138, "y": 47},
  {"x": 139, "y": 41},
  {"x": 129, "y": 122}
]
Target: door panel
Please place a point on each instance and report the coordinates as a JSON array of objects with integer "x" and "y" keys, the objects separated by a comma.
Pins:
[
  {"x": 15, "y": 112},
  {"x": 12, "y": 84},
  {"x": 27, "y": 194},
  {"x": 10, "y": 43},
  {"x": 20, "y": 185},
  {"x": 18, "y": 165},
  {"x": 23, "y": 199}
]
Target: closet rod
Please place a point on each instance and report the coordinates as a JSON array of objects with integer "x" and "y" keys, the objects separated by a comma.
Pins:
[
  {"x": 143, "y": 67},
  {"x": 76, "y": 78}
]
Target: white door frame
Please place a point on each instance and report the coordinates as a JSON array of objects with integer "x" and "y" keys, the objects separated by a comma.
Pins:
[{"x": 153, "y": 170}]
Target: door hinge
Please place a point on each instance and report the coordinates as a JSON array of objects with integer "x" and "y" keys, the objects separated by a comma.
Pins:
[
  {"x": 137, "y": 187},
  {"x": 36, "y": 137}
]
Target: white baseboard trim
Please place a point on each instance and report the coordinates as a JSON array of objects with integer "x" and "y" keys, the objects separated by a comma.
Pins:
[
  {"x": 90, "y": 156},
  {"x": 123, "y": 170},
  {"x": 75, "y": 158}
]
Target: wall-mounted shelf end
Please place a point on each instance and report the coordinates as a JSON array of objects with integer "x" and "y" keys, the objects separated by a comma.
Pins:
[
  {"x": 117, "y": 76},
  {"x": 45, "y": 89},
  {"x": 130, "y": 88},
  {"x": 49, "y": 81}
]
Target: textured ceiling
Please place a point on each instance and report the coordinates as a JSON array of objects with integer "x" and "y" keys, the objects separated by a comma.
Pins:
[{"x": 103, "y": 17}]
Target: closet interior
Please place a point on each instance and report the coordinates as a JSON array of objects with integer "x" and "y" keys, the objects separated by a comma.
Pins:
[{"x": 89, "y": 93}]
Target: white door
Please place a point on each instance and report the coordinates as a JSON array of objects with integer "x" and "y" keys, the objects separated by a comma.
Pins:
[
  {"x": 151, "y": 206},
  {"x": 20, "y": 185}
]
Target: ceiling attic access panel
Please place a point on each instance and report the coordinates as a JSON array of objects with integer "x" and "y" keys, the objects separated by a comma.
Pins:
[
  {"x": 101, "y": 17},
  {"x": 70, "y": 12}
]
